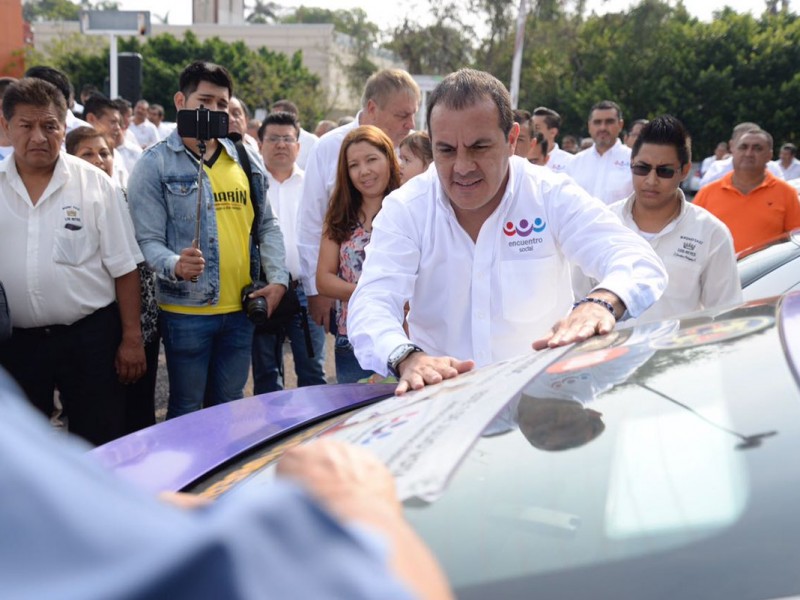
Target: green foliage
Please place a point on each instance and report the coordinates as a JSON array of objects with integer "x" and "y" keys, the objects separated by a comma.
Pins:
[
  {"x": 354, "y": 23},
  {"x": 61, "y": 10},
  {"x": 260, "y": 76}
]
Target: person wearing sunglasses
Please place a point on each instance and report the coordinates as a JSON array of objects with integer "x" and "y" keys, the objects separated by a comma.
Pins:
[{"x": 695, "y": 246}]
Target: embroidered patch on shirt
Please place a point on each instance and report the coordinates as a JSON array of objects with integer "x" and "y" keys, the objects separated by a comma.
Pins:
[{"x": 72, "y": 218}]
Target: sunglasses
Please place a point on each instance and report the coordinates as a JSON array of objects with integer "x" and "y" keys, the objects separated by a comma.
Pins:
[{"x": 643, "y": 170}]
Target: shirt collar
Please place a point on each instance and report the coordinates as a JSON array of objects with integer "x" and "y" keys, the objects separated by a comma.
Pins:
[{"x": 627, "y": 216}]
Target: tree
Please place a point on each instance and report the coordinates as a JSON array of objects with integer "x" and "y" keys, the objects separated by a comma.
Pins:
[
  {"x": 431, "y": 50},
  {"x": 354, "y": 23},
  {"x": 263, "y": 12},
  {"x": 61, "y": 10},
  {"x": 260, "y": 76}
]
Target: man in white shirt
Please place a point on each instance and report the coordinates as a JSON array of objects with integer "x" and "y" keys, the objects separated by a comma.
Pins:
[
  {"x": 155, "y": 114},
  {"x": 307, "y": 139},
  {"x": 61, "y": 81},
  {"x": 68, "y": 260},
  {"x": 126, "y": 144},
  {"x": 390, "y": 101},
  {"x": 603, "y": 169},
  {"x": 696, "y": 247},
  {"x": 547, "y": 122},
  {"x": 278, "y": 136},
  {"x": 480, "y": 247},
  {"x": 102, "y": 114},
  {"x": 719, "y": 168},
  {"x": 787, "y": 162},
  {"x": 145, "y": 132},
  {"x": 720, "y": 152}
]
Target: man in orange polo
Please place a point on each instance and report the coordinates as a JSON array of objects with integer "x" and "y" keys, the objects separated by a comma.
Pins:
[{"x": 751, "y": 201}]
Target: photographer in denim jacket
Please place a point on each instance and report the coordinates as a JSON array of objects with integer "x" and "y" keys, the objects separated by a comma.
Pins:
[{"x": 207, "y": 336}]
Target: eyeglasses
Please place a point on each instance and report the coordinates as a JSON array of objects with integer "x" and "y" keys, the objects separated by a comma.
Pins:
[
  {"x": 643, "y": 170},
  {"x": 286, "y": 139}
]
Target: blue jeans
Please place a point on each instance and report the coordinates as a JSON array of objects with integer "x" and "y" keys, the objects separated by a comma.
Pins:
[
  {"x": 208, "y": 359},
  {"x": 347, "y": 368},
  {"x": 268, "y": 355}
]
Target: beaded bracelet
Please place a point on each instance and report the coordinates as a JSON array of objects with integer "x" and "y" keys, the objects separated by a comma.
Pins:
[{"x": 599, "y": 301}]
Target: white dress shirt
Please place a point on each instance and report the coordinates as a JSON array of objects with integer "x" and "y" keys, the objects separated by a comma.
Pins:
[
  {"x": 284, "y": 198},
  {"x": 307, "y": 141},
  {"x": 792, "y": 172},
  {"x": 489, "y": 300},
  {"x": 720, "y": 168},
  {"x": 605, "y": 176},
  {"x": 558, "y": 160},
  {"x": 146, "y": 133},
  {"x": 60, "y": 256},
  {"x": 320, "y": 177},
  {"x": 129, "y": 152},
  {"x": 697, "y": 250}
]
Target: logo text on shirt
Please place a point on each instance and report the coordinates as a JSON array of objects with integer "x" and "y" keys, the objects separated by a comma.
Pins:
[{"x": 688, "y": 249}]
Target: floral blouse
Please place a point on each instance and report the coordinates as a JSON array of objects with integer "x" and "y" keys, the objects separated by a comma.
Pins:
[{"x": 351, "y": 260}]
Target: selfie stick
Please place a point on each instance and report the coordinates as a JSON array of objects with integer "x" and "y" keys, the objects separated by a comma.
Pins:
[{"x": 201, "y": 144}]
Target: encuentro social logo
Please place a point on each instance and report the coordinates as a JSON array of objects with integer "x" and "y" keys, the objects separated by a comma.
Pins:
[{"x": 524, "y": 228}]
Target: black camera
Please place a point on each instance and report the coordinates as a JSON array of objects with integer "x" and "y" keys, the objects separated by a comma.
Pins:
[
  {"x": 256, "y": 308},
  {"x": 202, "y": 124}
]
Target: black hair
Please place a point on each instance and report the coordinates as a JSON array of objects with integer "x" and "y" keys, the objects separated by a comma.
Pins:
[
  {"x": 665, "y": 130},
  {"x": 606, "y": 105},
  {"x": 52, "y": 75},
  {"x": 34, "y": 92},
  {"x": 279, "y": 117},
  {"x": 201, "y": 70},
  {"x": 465, "y": 88},
  {"x": 551, "y": 117},
  {"x": 97, "y": 105}
]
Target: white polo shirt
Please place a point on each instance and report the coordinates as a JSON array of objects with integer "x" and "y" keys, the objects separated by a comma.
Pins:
[
  {"x": 284, "y": 198},
  {"x": 320, "y": 177},
  {"x": 558, "y": 160},
  {"x": 489, "y": 300},
  {"x": 720, "y": 168},
  {"x": 59, "y": 257},
  {"x": 606, "y": 176},
  {"x": 697, "y": 250}
]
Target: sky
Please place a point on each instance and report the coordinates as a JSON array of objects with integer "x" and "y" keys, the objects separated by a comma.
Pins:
[{"x": 389, "y": 14}]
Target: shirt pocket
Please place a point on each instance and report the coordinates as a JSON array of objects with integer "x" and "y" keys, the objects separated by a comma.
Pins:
[
  {"x": 73, "y": 247},
  {"x": 529, "y": 288},
  {"x": 182, "y": 199}
]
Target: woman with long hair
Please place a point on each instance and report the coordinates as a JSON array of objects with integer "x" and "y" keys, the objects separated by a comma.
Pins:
[{"x": 367, "y": 172}]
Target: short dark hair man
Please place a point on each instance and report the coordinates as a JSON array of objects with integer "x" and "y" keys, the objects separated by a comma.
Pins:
[
  {"x": 307, "y": 139},
  {"x": 207, "y": 336},
  {"x": 633, "y": 133},
  {"x": 548, "y": 122},
  {"x": 751, "y": 201},
  {"x": 481, "y": 248},
  {"x": 523, "y": 118},
  {"x": 696, "y": 247},
  {"x": 102, "y": 114},
  {"x": 68, "y": 263},
  {"x": 603, "y": 169},
  {"x": 279, "y": 139}
]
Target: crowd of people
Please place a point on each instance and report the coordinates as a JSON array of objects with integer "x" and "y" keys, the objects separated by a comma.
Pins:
[{"x": 424, "y": 253}]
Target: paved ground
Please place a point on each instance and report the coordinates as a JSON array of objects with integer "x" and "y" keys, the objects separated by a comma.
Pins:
[{"x": 162, "y": 383}]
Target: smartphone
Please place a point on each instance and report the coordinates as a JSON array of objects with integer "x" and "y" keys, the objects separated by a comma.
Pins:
[{"x": 202, "y": 124}]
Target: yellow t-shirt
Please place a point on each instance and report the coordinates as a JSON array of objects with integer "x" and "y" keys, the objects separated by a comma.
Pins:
[{"x": 235, "y": 214}]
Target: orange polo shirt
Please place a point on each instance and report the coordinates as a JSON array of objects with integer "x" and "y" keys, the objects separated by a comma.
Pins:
[{"x": 766, "y": 212}]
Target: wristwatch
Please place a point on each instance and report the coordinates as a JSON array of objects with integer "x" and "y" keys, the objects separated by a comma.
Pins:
[{"x": 399, "y": 354}]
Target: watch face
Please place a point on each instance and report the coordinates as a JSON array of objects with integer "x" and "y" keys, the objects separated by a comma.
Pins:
[{"x": 399, "y": 353}]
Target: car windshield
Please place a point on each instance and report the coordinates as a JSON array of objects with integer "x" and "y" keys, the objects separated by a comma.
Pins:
[
  {"x": 621, "y": 461},
  {"x": 754, "y": 264}
]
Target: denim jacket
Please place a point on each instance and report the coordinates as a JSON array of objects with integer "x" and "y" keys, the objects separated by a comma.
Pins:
[{"x": 162, "y": 193}]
